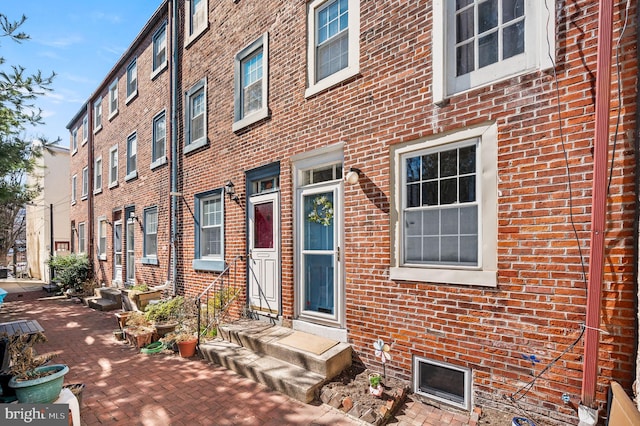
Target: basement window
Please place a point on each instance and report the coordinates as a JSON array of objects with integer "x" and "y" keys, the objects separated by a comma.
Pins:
[{"x": 442, "y": 382}]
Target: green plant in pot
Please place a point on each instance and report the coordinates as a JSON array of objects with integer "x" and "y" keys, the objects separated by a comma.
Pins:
[
  {"x": 185, "y": 336},
  {"x": 34, "y": 382},
  {"x": 165, "y": 314}
]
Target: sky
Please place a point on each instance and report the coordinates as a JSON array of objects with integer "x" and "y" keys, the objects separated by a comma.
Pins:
[{"x": 80, "y": 41}]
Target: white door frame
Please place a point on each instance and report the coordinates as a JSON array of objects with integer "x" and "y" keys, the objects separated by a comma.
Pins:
[
  {"x": 117, "y": 269},
  {"x": 130, "y": 249},
  {"x": 264, "y": 263}
]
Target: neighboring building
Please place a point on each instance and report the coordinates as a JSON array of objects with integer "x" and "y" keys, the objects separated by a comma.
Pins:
[
  {"x": 420, "y": 173},
  {"x": 47, "y": 216}
]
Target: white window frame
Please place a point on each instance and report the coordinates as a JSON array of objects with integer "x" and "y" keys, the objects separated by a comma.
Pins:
[
  {"x": 102, "y": 238},
  {"x": 486, "y": 273},
  {"x": 191, "y": 145},
  {"x": 352, "y": 69},
  {"x": 97, "y": 115},
  {"x": 113, "y": 165},
  {"x": 540, "y": 36},
  {"x": 157, "y": 162},
  {"x": 132, "y": 172},
  {"x": 211, "y": 262},
  {"x": 97, "y": 175},
  {"x": 241, "y": 119},
  {"x": 74, "y": 141},
  {"x": 85, "y": 183},
  {"x": 82, "y": 238},
  {"x": 74, "y": 189},
  {"x": 85, "y": 129},
  {"x": 150, "y": 257},
  {"x": 196, "y": 22},
  {"x": 132, "y": 79},
  {"x": 113, "y": 99},
  {"x": 157, "y": 68}
]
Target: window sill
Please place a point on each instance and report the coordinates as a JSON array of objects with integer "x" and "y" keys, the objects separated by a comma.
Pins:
[
  {"x": 195, "y": 145},
  {"x": 331, "y": 81},
  {"x": 155, "y": 73},
  {"x": 113, "y": 185},
  {"x": 445, "y": 276},
  {"x": 189, "y": 39},
  {"x": 97, "y": 191},
  {"x": 131, "y": 176},
  {"x": 159, "y": 162},
  {"x": 131, "y": 97},
  {"x": 73, "y": 202},
  {"x": 149, "y": 260},
  {"x": 102, "y": 257},
  {"x": 208, "y": 265},
  {"x": 74, "y": 152},
  {"x": 84, "y": 142},
  {"x": 113, "y": 115},
  {"x": 84, "y": 197},
  {"x": 97, "y": 129},
  {"x": 250, "y": 119}
]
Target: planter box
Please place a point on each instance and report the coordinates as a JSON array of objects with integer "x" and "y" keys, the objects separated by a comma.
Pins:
[
  {"x": 139, "y": 338},
  {"x": 137, "y": 301}
]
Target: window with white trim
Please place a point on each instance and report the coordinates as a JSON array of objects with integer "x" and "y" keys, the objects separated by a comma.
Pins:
[
  {"x": 102, "y": 238},
  {"x": 197, "y": 20},
  {"x": 74, "y": 141},
  {"x": 85, "y": 182},
  {"x": 196, "y": 116},
  {"x": 74, "y": 189},
  {"x": 209, "y": 238},
  {"x": 477, "y": 42},
  {"x": 159, "y": 50},
  {"x": 85, "y": 129},
  {"x": 97, "y": 175},
  {"x": 150, "y": 248},
  {"x": 333, "y": 43},
  {"x": 132, "y": 80},
  {"x": 82, "y": 248},
  {"x": 445, "y": 194},
  {"x": 251, "y": 76},
  {"x": 113, "y": 99},
  {"x": 132, "y": 156},
  {"x": 113, "y": 166},
  {"x": 97, "y": 115},
  {"x": 159, "y": 139}
]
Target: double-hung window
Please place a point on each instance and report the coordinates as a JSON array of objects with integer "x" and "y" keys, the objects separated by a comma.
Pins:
[
  {"x": 85, "y": 182},
  {"x": 159, "y": 138},
  {"x": 251, "y": 76},
  {"x": 74, "y": 189},
  {"x": 446, "y": 200},
  {"x": 197, "y": 19},
  {"x": 97, "y": 175},
  {"x": 477, "y": 42},
  {"x": 132, "y": 80},
  {"x": 159, "y": 50},
  {"x": 196, "y": 117},
  {"x": 132, "y": 155},
  {"x": 333, "y": 43},
  {"x": 82, "y": 248},
  {"x": 113, "y": 99},
  {"x": 102, "y": 238},
  {"x": 74, "y": 141},
  {"x": 209, "y": 236},
  {"x": 85, "y": 129},
  {"x": 150, "y": 235},
  {"x": 113, "y": 166},
  {"x": 97, "y": 115}
]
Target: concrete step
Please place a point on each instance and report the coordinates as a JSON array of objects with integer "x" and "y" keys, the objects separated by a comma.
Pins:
[
  {"x": 276, "y": 374},
  {"x": 102, "y": 304},
  {"x": 263, "y": 338},
  {"x": 110, "y": 293}
]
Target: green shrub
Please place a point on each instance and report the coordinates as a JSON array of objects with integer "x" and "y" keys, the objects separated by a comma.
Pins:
[
  {"x": 165, "y": 310},
  {"x": 71, "y": 270}
]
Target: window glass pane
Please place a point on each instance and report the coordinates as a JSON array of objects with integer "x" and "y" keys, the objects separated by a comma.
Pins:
[
  {"x": 468, "y": 250},
  {"x": 431, "y": 222},
  {"x": 512, "y": 9},
  {"x": 465, "y": 59},
  {"x": 211, "y": 242},
  {"x": 197, "y": 114},
  {"x": 413, "y": 223},
  {"x": 413, "y": 195},
  {"x": 448, "y": 191},
  {"x": 252, "y": 83},
  {"x": 449, "y": 221},
  {"x": 467, "y": 159},
  {"x": 467, "y": 189},
  {"x": 430, "y": 193},
  {"x": 159, "y": 134},
  {"x": 513, "y": 40},
  {"x": 319, "y": 283},
  {"x": 487, "y": 15},
  {"x": 318, "y": 224},
  {"x": 449, "y": 249},
  {"x": 464, "y": 25},
  {"x": 430, "y": 166},
  {"x": 448, "y": 163},
  {"x": 469, "y": 220},
  {"x": 488, "y": 50},
  {"x": 413, "y": 169},
  {"x": 263, "y": 225}
]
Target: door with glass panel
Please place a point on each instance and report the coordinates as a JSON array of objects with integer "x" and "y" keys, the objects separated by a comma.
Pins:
[
  {"x": 131, "y": 254},
  {"x": 117, "y": 252},
  {"x": 320, "y": 271},
  {"x": 264, "y": 253}
]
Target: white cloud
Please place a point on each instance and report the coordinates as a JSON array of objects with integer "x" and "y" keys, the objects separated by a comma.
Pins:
[
  {"x": 101, "y": 16},
  {"x": 62, "y": 42}
]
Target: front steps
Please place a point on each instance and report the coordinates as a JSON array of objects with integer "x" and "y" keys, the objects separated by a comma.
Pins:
[
  {"x": 105, "y": 299},
  {"x": 252, "y": 349}
]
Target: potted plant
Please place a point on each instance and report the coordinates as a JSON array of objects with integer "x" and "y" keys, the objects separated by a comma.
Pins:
[
  {"x": 375, "y": 386},
  {"x": 165, "y": 314},
  {"x": 185, "y": 336},
  {"x": 33, "y": 381},
  {"x": 138, "y": 330}
]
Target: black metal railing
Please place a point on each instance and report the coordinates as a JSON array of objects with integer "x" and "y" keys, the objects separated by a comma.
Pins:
[{"x": 215, "y": 300}]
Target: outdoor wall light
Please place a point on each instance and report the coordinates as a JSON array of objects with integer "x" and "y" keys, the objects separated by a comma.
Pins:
[
  {"x": 352, "y": 176},
  {"x": 229, "y": 189}
]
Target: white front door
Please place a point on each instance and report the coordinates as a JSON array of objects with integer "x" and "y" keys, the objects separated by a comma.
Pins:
[
  {"x": 131, "y": 254},
  {"x": 264, "y": 253},
  {"x": 117, "y": 252}
]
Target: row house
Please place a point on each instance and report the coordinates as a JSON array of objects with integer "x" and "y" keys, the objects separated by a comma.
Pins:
[{"x": 418, "y": 172}]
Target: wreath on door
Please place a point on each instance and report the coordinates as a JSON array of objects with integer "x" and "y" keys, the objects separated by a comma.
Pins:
[{"x": 321, "y": 211}]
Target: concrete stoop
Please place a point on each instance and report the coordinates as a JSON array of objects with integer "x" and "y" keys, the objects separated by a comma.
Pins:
[
  {"x": 252, "y": 349},
  {"x": 104, "y": 299}
]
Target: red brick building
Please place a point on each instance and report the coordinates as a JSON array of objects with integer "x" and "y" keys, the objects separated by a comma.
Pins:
[{"x": 419, "y": 172}]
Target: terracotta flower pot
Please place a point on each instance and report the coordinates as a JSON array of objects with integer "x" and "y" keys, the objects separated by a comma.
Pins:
[{"x": 187, "y": 348}]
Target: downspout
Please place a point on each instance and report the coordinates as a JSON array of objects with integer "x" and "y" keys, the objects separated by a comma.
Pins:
[
  {"x": 174, "y": 147},
  {"x": 599, "y": 202},
  {"x": 636, "y": 237},
  {"x": 90, "y": 207}
]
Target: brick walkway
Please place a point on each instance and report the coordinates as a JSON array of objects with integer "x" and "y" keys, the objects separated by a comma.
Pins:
[{"x": 124, "y": 387}]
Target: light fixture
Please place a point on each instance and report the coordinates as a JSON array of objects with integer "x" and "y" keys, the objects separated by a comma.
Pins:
[
  {"x": 229, "y": 189},
  {"x": 132, "y": 217},
  {"x": 352, "y": 176}
]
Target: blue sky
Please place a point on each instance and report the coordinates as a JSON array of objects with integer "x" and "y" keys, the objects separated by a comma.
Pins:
[{"x": 80, "y": 40}]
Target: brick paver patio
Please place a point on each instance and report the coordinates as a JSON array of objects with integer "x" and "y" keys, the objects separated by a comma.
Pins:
[{"x": 125, "y": 387}]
